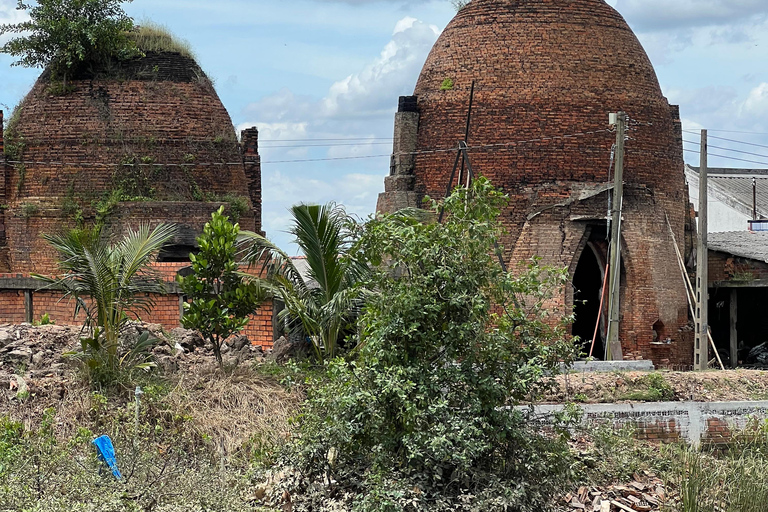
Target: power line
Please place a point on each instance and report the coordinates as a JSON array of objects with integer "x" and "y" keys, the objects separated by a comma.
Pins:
[
  {"x": 728, "y": 149},
  {"x": 326, "y": 145},
  {"x": 501, "y": 145},
  {"x": 328, "y": 140},
  {"x": 729, "y": 131},
  {"x": 727, "y": 157},
  {"x": 739, "y": 142}
]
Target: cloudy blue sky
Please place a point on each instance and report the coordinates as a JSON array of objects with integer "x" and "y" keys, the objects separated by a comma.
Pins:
[{"x": 333, "y": 69}]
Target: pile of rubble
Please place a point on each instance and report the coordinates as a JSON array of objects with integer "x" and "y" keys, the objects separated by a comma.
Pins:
[
  {"x": 643, "y": 494},
  {"x": 34, "y": 362}
]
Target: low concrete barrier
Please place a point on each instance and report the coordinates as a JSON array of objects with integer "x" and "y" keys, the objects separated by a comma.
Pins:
[
  {"x": 693, "y": 422},
  {"x": 611, "y": 366}
]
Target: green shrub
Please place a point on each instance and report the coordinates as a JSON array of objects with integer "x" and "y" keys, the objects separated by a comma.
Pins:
[
  {"x": 424, "y": 418},
  {"x": 219, "y": 297}
]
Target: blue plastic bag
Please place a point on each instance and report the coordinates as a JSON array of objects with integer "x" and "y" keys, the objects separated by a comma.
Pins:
[{"x": 106, "y": 451}]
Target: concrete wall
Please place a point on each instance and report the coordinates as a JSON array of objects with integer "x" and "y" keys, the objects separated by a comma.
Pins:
[{"x": 694, "y": 422}]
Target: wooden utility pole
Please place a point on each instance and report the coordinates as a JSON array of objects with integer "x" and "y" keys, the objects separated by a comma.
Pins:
[
  {"x": 701, "y": 348},
  {"x": 613, "y": 350},
  {"x": 734, "y": 331}
]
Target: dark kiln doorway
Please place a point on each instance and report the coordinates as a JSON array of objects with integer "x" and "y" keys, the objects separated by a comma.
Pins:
[{"x": 587, "y": 289}]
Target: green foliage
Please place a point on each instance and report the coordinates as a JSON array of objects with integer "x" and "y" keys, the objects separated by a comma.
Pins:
[
  {"x": 21, "y": 170},
  {"x": 219, "y": 296},
  {"x": 152, "y": 37},
  {"x": 42, "y": 472},
  {"x": 238, "y": 205},
  {"x": 15, "y": 144},
  {"x": 425, "y": 417},
  {"x": 655, "y": 389},
  {"x": 108, "y": 282},
  {"x": 324, "y": 303},
  {"x": 71, "y": 209},
  {"x": 64, "y": 34},
  {"x": 135, "y": 177},
  {"x": 29, "y": 210},
  {"x": 447, "y": 85},
  {"x": 45, "y": 319}
]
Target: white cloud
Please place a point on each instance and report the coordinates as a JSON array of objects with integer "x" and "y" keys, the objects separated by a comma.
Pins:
[
  {"x": 669, "y": 27},
  {"x": 360, "y": 106},
  {"x": 677, "y": 14},
  {"x": 371, "y": 90},
  {"x": 738, "y": 124},
  {"x": 756, "y": 105},
  {"x": 9, "y": 15}
]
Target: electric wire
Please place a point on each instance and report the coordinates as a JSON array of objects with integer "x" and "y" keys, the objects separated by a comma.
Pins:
[
  {"x": 737, "y": 141},
  {"x": 728, "y": 149},
  {"x": 727, "y": 157},
  {"x": 501, "y": 145},
  {"x": 730, "y": 131}
]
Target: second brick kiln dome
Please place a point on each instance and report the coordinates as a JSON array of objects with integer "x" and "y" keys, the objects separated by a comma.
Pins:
[
  {"x": 543, "y": 68},
  {"x": 144, "y": 140}
]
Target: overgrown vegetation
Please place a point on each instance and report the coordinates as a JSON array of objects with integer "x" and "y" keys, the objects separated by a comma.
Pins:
[
  {"x": 64, "y": 34},
  {"x": 651, "y": 388},
  {"x": 424, "y": 417},
  {"x": 219, "y": 297},
  {"x": 109, "y": 282},
  {"x": 153, "y": 37},
  {"x": 324, "y": 303},
  {"x": 190, "y": 449}
]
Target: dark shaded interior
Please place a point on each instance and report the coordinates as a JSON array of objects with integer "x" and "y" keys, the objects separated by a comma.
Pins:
[
  {"x": 751, "y": 324},
  {"x": 588, "y": 286}
]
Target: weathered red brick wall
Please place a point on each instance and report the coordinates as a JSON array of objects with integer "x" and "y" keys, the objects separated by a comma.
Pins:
[
  {"x": 166, "y": 312},
  {"x": 11, "y": 306},
  {"x": 726, "y": 267},
  {"x": 158, "y": 132},
  {"x": 545, "y": 69}
]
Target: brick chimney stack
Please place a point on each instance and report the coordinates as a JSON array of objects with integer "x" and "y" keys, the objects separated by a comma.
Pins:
[
  {"x": 252, "y": 161},
  {"x": 2, "y": 147}
]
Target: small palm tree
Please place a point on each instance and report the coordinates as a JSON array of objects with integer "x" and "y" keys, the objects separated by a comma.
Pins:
[
  {"x": 325, "y": 302},
  {"x": 108, "y": 281}
]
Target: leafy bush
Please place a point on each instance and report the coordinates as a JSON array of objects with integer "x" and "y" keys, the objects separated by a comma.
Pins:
[
  {"x": 219, "y": 297},
  {"x": 66, "y": 33},
  {"x": 324, "y": 301},
  {"x": 425, "y": 417}
]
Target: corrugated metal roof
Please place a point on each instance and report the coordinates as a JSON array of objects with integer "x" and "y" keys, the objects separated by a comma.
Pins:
[
  {"x": 736, "y": 185},
  {"x": 746, "y": 244}
]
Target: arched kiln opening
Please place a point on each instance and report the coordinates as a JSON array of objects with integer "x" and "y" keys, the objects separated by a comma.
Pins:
[{"x": 588, "y": 287}]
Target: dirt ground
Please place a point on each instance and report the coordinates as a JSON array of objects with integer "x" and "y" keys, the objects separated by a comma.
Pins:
[
  {"x": 617, "y": 387},
  {"x": 36, "y": 373}
]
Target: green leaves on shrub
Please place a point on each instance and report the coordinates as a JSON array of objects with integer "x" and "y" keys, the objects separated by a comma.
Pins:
[
  {"x": 67, "y": 33},
  {"x": 424, "y": 418},
  {"x": 219, "y": 297}
]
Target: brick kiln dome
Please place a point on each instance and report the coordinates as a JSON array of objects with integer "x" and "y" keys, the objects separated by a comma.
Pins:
[
  {"x": 546, "y": 69},
  {"x": 543, "y": 68},
  {"x": 152, "y": 128}
]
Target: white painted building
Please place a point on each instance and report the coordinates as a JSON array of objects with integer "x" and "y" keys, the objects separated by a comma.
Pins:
[{"x": 731, "y": 194}]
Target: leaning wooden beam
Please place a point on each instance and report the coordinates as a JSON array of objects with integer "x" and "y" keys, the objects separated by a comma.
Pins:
[{"x": 691, "y": 293}]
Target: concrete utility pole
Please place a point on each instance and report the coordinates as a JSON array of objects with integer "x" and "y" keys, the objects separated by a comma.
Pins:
[
  {"x": 613, "y": 350},
  {"x": 701, "y": 345}
]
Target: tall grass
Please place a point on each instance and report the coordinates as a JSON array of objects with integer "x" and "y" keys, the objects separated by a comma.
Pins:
[
  {"x": 152, "y": 37},
  {"x": 730, "y": 480}
]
